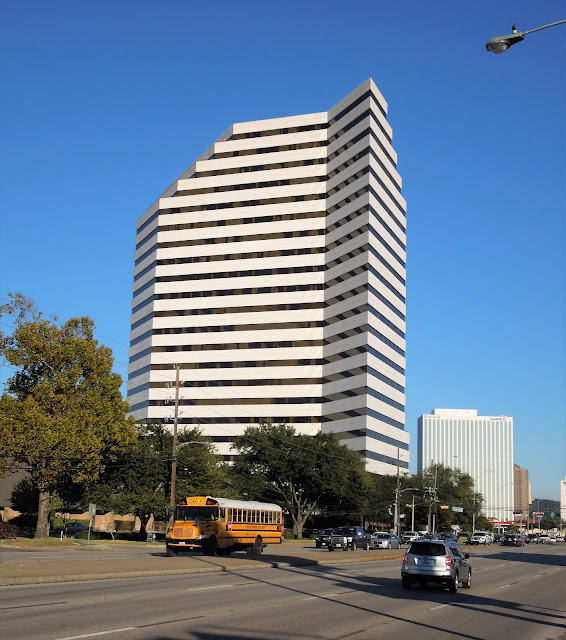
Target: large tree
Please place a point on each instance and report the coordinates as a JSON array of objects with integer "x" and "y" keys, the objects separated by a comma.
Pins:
[
  {"x": 301, "y": 473},
  {"x": 62, "y": 416},
  {"x": 139, "y": 482}
]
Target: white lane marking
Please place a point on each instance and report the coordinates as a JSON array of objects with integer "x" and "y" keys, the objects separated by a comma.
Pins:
[
  {"x": 504, "y": 586},
  {"x": 222, "y": 586},
  {"x": 99, "y": 633},
  {"x": 440, "y": 607},
  {"x": 329, "y": 595}
]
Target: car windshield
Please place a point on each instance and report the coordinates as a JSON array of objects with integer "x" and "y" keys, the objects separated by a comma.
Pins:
[
  {"x": 427, "y": 549},
  {"x": 382, "y": 536},
  {"x": 327, "y": 532},
  {"x": 345, "y": 531}
]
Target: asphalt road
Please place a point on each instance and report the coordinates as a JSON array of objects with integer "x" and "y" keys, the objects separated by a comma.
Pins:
[{"x": 516, "y": 593}]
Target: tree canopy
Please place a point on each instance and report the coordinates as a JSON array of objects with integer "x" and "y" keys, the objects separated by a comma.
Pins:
[
  {"x": 301, "y": 473},
  {"x": 139, "y": 481},
  {"x": 62, "y": 416}
]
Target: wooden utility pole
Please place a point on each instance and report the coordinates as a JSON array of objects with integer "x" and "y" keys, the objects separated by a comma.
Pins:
[{"x": 174, "y": 452}]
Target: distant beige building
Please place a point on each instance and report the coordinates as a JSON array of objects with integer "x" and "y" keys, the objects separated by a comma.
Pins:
[{"x": 522, "y": 492}]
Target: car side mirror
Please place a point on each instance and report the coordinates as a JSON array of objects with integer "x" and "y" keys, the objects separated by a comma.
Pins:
[{"x": 466, "y": 555}]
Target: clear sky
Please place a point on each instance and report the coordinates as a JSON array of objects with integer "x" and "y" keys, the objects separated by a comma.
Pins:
[{"x": 105, "y": 103}]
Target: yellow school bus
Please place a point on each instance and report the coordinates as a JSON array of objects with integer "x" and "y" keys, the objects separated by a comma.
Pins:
[{"x": 219, "y": 525}]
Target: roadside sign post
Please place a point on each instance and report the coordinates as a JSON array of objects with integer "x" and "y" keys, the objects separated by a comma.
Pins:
[{"x": 92, "y": 514}]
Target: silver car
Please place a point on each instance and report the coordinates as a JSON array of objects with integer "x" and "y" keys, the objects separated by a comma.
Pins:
[
  {"x": 384, "y": 541},
  {"x": 438, "y": 561}
]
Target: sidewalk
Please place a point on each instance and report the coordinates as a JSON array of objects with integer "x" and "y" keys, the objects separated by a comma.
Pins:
[{"x": 50, "y": 571}]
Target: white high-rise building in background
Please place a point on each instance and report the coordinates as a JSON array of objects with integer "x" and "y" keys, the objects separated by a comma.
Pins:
[
  {"x": 481, "y": 446},
  {"x": 272, "y": 271}
]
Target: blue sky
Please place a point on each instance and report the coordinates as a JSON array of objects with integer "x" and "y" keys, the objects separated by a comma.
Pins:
[{"x": 106, "y": 103}]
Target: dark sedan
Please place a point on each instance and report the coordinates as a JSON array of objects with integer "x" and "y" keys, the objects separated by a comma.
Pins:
[{"x": 513, "y": 540}]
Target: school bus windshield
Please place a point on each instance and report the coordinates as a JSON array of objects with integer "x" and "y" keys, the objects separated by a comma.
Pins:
[{"x": 197, "y": 513}]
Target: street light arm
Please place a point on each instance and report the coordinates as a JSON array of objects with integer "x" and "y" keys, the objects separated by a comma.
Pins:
[{"x": 499, "y": 44}]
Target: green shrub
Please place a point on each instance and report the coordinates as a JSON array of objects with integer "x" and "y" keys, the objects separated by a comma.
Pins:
[{"x": 8, "y": 531}]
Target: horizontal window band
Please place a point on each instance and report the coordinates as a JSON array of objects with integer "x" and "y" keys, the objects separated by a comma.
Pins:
[
  {"x": 386, "y": 360},
  {"x": 250, "y": 255},
  {"x": 142, "y": 273},
  {"x": 268, "y": 326},
  {"x": 354, "y": 104},
  {"x": 298, "y": 306},
  {"x": 266, "y": 184},
  {"x": 241, "y": 274},
  {"x": 197, "y": 384},
  {"x": 143, "y": 304},
  {"x": 236, "y": 402},
  {"x": 382, "y": 418},
  {"x": 260, "y": 167},
  {"x": 146, "y": 224},
  {"x": 238, "y": 346},
  {"x": 261, "y": 150},
  {"x": 251, "y": 238},
  {"x": 145, "y": 255},
  {"x": 304, "y": 362},
  {"x": 147, "y": 238},
  {"x": 277, "y": 132},
  {"x": 239, "y": 292},
  {"x": 303, "y": 215},
  {"x": 379, "y": 376},
  {"x": 142, "y": 321},
  {"x": 387, "y": 459}
]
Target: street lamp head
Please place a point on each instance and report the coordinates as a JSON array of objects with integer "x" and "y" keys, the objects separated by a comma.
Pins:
[{"x": 500, "y": 44}]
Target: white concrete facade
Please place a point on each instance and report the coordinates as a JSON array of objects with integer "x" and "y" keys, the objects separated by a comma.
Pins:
[
  {"x": 273, "y": 272},
  {"x": 481, "y": 446}
]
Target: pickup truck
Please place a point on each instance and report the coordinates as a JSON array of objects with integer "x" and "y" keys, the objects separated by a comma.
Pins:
[{"x": 349, "y": 538}]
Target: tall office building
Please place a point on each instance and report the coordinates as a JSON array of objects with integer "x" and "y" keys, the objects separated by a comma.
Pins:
[
  {"x": 272, "y": 271},
  {"x": 481, "y": 446},
  {"x": 521, "y": 487}
]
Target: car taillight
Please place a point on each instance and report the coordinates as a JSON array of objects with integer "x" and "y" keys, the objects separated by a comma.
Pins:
[
  {"x": 448, "y": 561},
  {"x": 404, "y": 558}
]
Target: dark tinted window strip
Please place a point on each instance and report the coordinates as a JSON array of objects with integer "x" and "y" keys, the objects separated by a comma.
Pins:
[
  {"x": 141, "y": 338},
  {"x": 260, "y": 167},
  {"x": 139, "y": 405},
  {"x": 366, "y": 114},
  {"x": 355, "y": 140},
  {"x": 266, "y": 184},
  {"x": 144, "y": 271},
  {"x": 261, "y": 364},
  {"x": 139, "y": 355},
  {"x": 386, "y": 282},
  {"x": 375, "y": 374},
  {"x": 387, "y": 246},
  {"x": 240, "y": 292},
  {"x": 255, "y": 420},
  {"x": 386, "y": 419},
  {"x": 386, "y": 341},
  {"x": 236, "y": 204},
  {"x": 147, "y": 238},
  {"x": 385, "y": 360},
  {"x": 142, "y": 321},
  {"x": 241, "y": 274},
  {"x": 387, "y": 265},
  {"x": 197, "y": 384},
  {"x": 302, "y": 215},
  {"x": 250, "y": 238},
  {"x": 235, "y": 402},
  {"x": 386, "y": 302},
  {"x": 144, "y": 287},
  {"x": 147, "y": 222},
  {"x": 242, "y": 256},
  {"x": 379, "y": 436},
  {"x": 295, "y": 306},
  {"x": 354, "y": 104},
  {"x": 387, "y": 322},
  {"x": 275, "y": 149},
  {"x": 135, "y": 390},
  {"x": 139, "y": 372},
  {"x": 268, "y": 326},
  {"x": 145, "y": 255},
  {"x": 383, "y": 398},
  {"x": 277, "y": 132},
  {"x": 381, "y": 458},
  {"x": 141, "y": 305},
  {"x": 237, "y": 346}
]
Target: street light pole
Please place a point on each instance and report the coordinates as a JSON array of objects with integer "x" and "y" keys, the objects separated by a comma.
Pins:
[
  {"x": 499, "y": 44},
  {"x": 174, "y": 453}
]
